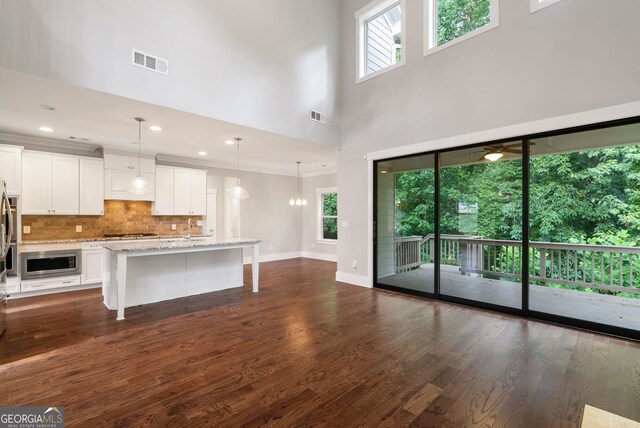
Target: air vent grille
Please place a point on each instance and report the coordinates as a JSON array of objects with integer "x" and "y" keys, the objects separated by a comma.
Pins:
[
  {"x": 149, "y": 62},
  {"x": 317, "y": 116}
]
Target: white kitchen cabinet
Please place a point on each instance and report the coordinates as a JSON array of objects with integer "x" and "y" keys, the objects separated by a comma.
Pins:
[
  {"x": 198, "y": 192},
  {"x": 91, "y": 266},
  {"x": 65, "y": 185},
  {"x": 48, "y": 284},
  {"x": 163, "y": 204},
  {"x": 11, "y": 168},
  {"x": 91, "y": 186},
  {"x": 50, "y": 183},
  {"x": 180, "y": 191},
  {"x": 36, "y": 183},
  {"x": 129, "y": 163}
]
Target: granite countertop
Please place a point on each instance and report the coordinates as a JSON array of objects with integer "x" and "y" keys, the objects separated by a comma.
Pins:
[
  {"x": 177, "y": 243},
  {"x": 124, "y": 238}
]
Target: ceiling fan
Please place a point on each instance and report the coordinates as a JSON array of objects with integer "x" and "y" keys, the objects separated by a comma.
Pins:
[{"x": 496, "y": 151}]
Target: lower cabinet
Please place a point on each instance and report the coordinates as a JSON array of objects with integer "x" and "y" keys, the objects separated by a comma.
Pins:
[
  {"x": 91, "y": 266},
  {"x": 46, "y": 284}
]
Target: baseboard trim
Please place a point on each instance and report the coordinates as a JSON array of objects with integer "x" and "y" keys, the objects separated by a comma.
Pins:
[
  {"x": 350, "y": 278},
  {"x": 320, "y": 256}
]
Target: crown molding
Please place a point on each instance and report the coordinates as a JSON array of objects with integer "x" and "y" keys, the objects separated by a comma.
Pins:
[
  {"x": 169, "y": 160},
  {"x": 46, "y": 143}
]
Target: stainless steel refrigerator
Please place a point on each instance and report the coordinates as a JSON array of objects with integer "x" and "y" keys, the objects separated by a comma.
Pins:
[{"x": 6, "y": 232}]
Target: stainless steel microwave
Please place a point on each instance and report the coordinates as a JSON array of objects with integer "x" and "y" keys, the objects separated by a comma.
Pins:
[{"x": 45, "y": 264}]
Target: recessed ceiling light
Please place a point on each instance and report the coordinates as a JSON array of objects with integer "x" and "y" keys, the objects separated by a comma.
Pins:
[
  {"x": 155, "y": 128},
  {"x": 383, "y": 171},
  {"x": 202, "y": 153},
  {"x": 47, "y": 107},
  {"x": 46, "y": 129},
  {"x": 230, "y": 142}
]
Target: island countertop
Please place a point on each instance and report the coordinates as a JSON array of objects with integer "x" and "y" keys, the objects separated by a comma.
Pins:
[{"x": 178, "y": 243}]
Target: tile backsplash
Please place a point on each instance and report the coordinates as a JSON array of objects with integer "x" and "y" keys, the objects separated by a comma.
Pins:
[{"x": 119, "y": 217}]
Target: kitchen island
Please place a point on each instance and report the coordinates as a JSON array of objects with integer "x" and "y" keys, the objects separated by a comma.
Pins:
[{"x": 136, "y": 273}]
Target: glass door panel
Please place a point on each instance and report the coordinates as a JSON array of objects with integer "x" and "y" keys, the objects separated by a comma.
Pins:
[
  {"x": 481, "y": 224},
  {"x": 405, "y": 223},
  {"x": 584, "y": 226}
]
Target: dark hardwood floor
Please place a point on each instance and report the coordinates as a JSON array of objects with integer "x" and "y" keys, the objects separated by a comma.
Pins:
[{"x": 307, "y": 351}]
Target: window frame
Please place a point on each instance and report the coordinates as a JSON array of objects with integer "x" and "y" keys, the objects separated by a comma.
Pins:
[
  {"x": 362, "y": 17},
  {"x": 320, "y": 214},
  {"x": 536, "y": 5},
  {"x": 429, "y": 27}
]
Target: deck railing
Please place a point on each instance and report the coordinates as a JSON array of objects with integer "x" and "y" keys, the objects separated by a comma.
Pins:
[{"x": 598, "y": 267}]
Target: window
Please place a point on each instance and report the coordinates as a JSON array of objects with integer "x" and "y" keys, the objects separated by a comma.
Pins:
[
  {"x": 536, "y": 5},
  {"x": 380, "y": 30},
  {"x": 327, "y": 214},
  {"x": 451, "y": 21}
]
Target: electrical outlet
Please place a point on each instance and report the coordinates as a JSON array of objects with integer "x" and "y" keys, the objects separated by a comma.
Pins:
[
  {"x": 26, "y": 229},
  {"x": 271, "y": 247},
  {"x": 199, "y": 223},
  {"x": 344, "y": 223},
  {"x": 313, "y": 245},
  {"x": 173, "y": 227},
  {"x": 78, "y": 228},
  {"x": 355, "y": 264}
]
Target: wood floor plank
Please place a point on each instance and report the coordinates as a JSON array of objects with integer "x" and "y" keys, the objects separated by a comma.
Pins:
[{"x": 307, "y": 351}]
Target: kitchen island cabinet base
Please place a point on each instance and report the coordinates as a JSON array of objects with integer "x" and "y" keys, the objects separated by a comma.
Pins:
[{"x": 139, "y": 277}]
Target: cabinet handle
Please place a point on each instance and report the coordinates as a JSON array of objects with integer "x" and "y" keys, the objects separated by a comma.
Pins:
[
  {"x": 66, "y": 282},
  {"x": 48, "y": 211}
]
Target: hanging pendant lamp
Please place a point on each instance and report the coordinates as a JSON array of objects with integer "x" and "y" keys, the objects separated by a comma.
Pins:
[
  {"x": 237, "y": 191},
  {"x": 298, "y": 199},
  {"x": 138, "y": 185}
]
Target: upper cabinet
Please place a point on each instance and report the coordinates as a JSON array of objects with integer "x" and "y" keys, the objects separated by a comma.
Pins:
[
  {"x": 91, "y": 186},
  {"x": 120, "y": 170},
  {"x": 56, "y": 184},
  {"x": 11, "y": 168},
  {"x": 163, "y": 204},
  {"x": 180, "y": 191},
  {"x": 49, "y": 183}
]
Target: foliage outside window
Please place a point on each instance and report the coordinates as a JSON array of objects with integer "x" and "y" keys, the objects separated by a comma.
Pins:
[
  {"x": 380, "y": 29},
  {"x": 328, "y": 214},
  {"x": 452, "y": 21}
]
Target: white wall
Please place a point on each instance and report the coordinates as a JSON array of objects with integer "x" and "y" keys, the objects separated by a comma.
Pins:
[
  {"x": 261, "y": 64},
  {"x": 571, "y": 57},
  {"x": 310, "y": 245}
]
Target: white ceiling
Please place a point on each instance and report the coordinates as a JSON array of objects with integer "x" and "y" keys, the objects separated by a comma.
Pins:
[{"x": 107, "y": 120}]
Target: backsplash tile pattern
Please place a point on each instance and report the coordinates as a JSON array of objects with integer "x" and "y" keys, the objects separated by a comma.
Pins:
[{"x": 119, "y": 217}]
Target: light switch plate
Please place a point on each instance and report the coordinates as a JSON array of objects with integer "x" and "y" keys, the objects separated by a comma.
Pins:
[
  {"x": 26, "y": 229},
  {"x": 345, "y": 223},
  {"x": 79, "y": 228}
]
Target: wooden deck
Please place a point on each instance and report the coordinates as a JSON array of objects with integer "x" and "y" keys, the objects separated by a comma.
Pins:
[{"x": 610, "y": 310}]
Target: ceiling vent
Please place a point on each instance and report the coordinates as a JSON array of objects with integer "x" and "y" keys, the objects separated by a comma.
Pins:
[
  {"x": 149, "y": 62},
  {"x": 317, "y": 116}
]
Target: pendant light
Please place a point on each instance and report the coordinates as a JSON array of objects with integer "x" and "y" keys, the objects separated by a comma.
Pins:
[
  {"x": 298, "y": 200},
  {"x": 237, "y": 191},
  {"x": 138, "y": 185}
]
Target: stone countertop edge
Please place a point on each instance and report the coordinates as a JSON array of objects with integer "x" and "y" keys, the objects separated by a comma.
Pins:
[
  {"x": 66, "y": 241},
  {"x": 171, "y": 245}
]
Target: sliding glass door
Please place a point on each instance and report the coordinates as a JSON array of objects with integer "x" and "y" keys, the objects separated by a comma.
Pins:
[
  {"x": 405, "y": 222},
  {"x": 585, "y": 226},
  {"x": 546, "y": 225},
  {"x": 481, "y": 224}
]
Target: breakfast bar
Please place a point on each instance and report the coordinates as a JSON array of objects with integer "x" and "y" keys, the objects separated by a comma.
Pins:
[{"x": 138, "y": 273}]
